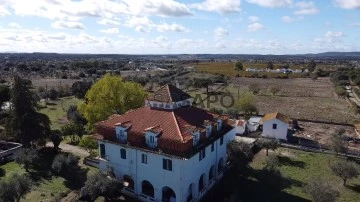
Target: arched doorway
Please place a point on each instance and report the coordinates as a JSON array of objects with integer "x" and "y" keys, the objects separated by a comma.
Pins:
[
  {"x": 190, "y": 193},
  {"x": 129, "y": 183},
  {"x": 220, "y": 165},
  {"x": 168, "y": 195},
  {"x": 212, "y": 173},
  {"x": 202, "y": 182},
  {"x": 147, "y": 188}
]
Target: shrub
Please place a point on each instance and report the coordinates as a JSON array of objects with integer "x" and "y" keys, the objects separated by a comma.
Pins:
[
  {"x": 65, "y": 163},
  {"x": 26, "y": 157},
  {"x": 88, "y": 144},
  {"x": 15, "y": 187},
  {"x": 340, "y": 91},
  {"x": 321, "y": 190},
  {"x": 254, "y": 88}
]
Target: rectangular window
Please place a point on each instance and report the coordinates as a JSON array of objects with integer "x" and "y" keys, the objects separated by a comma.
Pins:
[
  {"x": 274, "y": 126},
  {"x": 102, "y": 151},
  {"x": 212, "y": 147},
  {"x": 144, "y": 158},
  {"x": 123, "y": 153},
  {"x": 167, "y": 164},
  {"x": 221, "y": 140},
  {"x": 202, "y": 154},
  {"x": 152, "y": 139}
]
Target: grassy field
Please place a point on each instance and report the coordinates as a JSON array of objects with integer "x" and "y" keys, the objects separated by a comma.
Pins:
[
  {"x": 227, "y": 68},
  {"x": 302, "y": 166},
  {"x": 56, "y": 110}
]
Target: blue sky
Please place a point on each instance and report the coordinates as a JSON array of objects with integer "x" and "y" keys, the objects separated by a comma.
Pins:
[{"x": 174, "y": 26}]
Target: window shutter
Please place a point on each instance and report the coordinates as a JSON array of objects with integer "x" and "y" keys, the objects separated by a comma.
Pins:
[
  {"x": 170, "y": 165},
  {"x": 164, "y": 164}
]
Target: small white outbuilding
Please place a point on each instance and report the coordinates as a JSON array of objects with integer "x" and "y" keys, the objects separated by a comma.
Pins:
[{"x": 275, "y": 125}]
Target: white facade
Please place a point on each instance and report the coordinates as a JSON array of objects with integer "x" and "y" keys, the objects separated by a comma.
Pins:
[
  {"x": 275, "y": 128},
  {"x": 189, "y": 179},
  {"x": 240, "y": 127}
]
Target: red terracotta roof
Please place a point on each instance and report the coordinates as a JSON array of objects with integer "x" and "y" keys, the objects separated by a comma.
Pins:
[
  {"x": 174, "y": 124},
  {"x": 169, "y": 93},
  {"x": 276, "y": 115}
]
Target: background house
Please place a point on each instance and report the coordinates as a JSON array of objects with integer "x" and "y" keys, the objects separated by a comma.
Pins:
[{"x": 275, "y": 125}]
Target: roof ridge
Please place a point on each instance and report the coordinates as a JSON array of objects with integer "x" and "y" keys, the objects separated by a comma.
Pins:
[
  {"x": 177, "y": 126},
  {"x": 168, "y": 90}
]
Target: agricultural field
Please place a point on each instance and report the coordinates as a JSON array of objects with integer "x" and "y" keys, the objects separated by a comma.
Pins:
[
  {"x": 52, "y": 83},
  {"x": 301, "y": 167},
  {"x": 227, "y": 68},
  {"x": 300, "y": 98},
  {"x": 56, "y": 110}
]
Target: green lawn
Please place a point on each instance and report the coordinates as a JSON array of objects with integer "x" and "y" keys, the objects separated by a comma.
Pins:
[
  {"x": 302, "y": 166},
  {"x": 56, "y": 110}
]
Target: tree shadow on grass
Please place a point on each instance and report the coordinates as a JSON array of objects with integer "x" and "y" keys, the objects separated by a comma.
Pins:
[
  {"x": 42, "y": 169},
  {"x": 75, "y": 180},
  {"x": 283, "y": 160},
  {"x": 355, "y": 187},
  {"x": 2, "y": 172},
  {"x": 234, "y": 187}
]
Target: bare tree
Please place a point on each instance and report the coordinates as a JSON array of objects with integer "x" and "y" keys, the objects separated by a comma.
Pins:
[
  {"x": 344, "y": 169},
  {"x": 321, "y": 190},
  {"x": 268, "y": 143}
]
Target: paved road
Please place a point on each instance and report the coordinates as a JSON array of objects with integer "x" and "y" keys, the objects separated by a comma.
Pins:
[{"x": 70, "y": 148}]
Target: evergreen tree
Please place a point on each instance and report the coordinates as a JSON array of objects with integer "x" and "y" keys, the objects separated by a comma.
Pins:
[{"x": 24, "y": 123}]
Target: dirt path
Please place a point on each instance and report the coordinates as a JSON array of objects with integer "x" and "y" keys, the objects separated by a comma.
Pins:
[{"x": 71, "y": 148}]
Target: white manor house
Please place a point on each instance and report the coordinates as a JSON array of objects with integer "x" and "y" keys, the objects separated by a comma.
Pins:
[{"x": 167, "y": 150}]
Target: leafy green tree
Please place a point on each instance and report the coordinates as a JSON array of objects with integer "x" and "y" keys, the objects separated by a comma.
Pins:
[
  {"x": 15, "y": 187},
  {"x": 74, "y": 130},
  {"x": 246, "y": 105},
  {"x": 79, "y": 88},
  {"x": 25, "y": 124},
  {"x": 311, "y": 66},
  {"x": 202, "y": 83},
  {"x": 75, "y": 116},
  {"x": 254, "y": 88},
  {"x": 268, "y": 143},
  {"x": 26, "y": 157},
  {"x": 238, "y": 66},
  {"x": 344, "y": 169},
  {"x": 65, "y": 164},
  {"x": 88, "y": 144},
  {"x": 337, "y": 142},
  {"x": 100, "y": 184},
  {"x": 270, "y": 65},
  {"x": 110, "y": 95},
  {"x": 56, "y": 138},
  {"x": 4, "y": 94},
  {"x": 321, "y": 190},
  {"x": 53, "y": 94},
  {"x": 240, "y": 154}
]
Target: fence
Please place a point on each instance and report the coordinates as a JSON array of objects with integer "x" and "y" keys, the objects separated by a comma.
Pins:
[{"x": 10, "y": 149}]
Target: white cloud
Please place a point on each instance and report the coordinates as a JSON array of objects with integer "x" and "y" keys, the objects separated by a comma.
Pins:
[
  {"x": 110, "y": 31},
  {"x": 157, "y": 7},
  {"x": 256, "y": 26},
  {"x": 306, "y": 8},
  {"x": 67, "y": 25},
  {"x": 141, "y": 24},
  {"x": 3, "y": 11},
  {"x": 108, "y": 22},
  {"x": 171, "y": 28},
  {"x": 271, "y": 3},
  {"x": 221, "y": 32},
  {"x": 287, "y": 19},
  {"x": 220, "y": 45},
  {"x": 329, "y": 38},
  {"x": 254, "y": 18},
  {"x": 222, "y": 7},
  {"x": 355, "y": 24},
  {"x": 348, "y": 4},
  {"x": 14, "y": 25}
]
